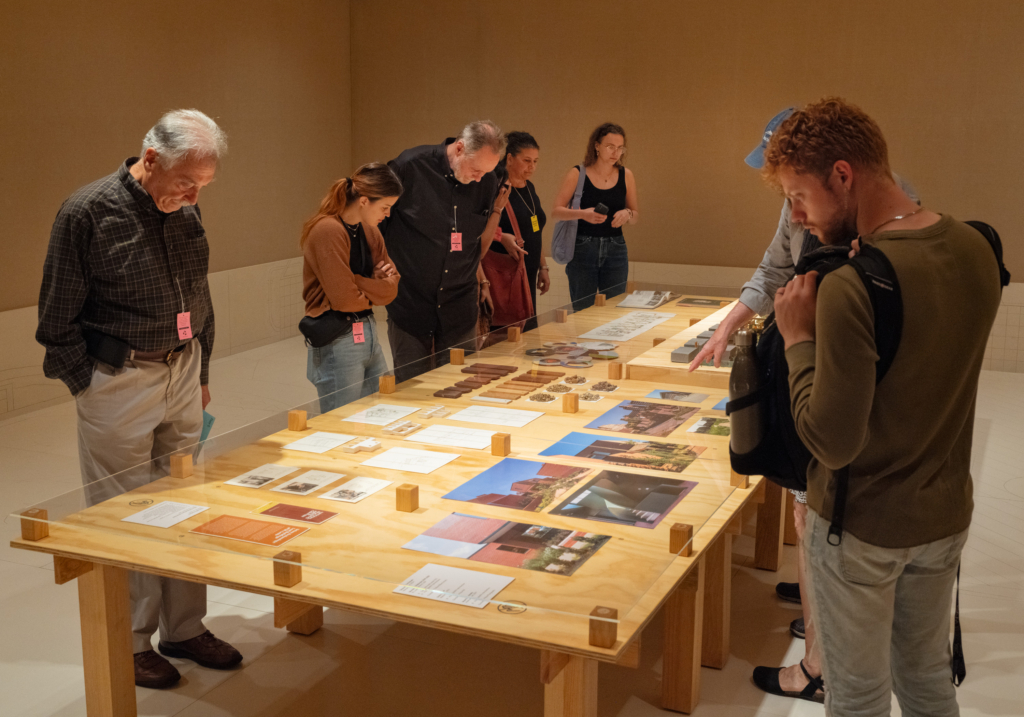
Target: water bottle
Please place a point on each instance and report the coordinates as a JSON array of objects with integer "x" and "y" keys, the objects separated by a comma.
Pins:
[{"x": 747, "y": 426}]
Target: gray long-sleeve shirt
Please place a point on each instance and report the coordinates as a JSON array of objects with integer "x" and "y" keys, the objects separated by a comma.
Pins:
[{"x": 782, "y": 256}]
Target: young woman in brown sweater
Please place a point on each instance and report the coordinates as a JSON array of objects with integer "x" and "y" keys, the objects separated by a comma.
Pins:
[{"x": 346, "y": 271}]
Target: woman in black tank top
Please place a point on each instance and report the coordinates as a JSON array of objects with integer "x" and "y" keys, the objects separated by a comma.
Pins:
[{"x": 600, "y": 262}]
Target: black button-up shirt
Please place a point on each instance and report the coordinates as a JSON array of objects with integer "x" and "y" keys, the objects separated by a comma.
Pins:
[
  {"x": 438, "y": 290},
  {"x": 119, "y": 265}
]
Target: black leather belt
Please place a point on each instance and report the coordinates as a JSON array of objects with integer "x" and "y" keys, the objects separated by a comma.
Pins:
[{"x": 167, "y": 357}]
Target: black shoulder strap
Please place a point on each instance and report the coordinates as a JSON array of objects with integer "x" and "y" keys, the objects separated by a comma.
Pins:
[
  {"x": 992, "y": 236},
  {"x": 883, "y": 289},
  {"x": 957, "y": 661}
]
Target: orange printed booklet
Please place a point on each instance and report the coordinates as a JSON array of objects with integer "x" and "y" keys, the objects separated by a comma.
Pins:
[{"x": 260, "y": 532}]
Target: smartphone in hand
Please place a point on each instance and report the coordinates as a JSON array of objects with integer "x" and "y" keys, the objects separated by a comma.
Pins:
[{"x": 601, "y": 209}]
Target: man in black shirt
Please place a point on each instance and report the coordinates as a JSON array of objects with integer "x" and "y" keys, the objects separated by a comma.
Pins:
[
  {"x": 434, "y": 239},
  {"x": 127, "y": 322}
]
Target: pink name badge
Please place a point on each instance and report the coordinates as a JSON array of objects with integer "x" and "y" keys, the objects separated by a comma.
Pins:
[
  {"x": 456, "y": 241},
  {"x": 185, "y": 325},
  {"x": 357, "y": 333}
]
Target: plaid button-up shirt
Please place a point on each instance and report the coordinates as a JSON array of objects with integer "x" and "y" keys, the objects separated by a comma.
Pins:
[{"x": 118, "y": 265}]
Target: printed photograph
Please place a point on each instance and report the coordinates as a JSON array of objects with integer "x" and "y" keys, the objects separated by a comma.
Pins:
[
  {"x": 711, "y": 426},
  {"x": 681, "y": 396},
  {"x": 299, "y": 487},
  {"x": 691, "y": 301},
  {"x": 519, "y": 484},
  {"x": 626, "y": 453},
  {"x": 254, "y": 481},
  {"x": 648, "y": 419},
  {"x": 502, "y": 542},
  {"x": 626, "y": 499}
]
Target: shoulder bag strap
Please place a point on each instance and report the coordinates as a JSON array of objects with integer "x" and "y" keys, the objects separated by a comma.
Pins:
[
  {"x": 521, "y": 271},
  {"x": 577, "y": 196}
]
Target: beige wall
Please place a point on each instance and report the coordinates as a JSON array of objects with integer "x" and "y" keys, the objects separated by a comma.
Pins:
[
  {"x": 694, "y": 83},
  {"x": 82, "y": 82}
]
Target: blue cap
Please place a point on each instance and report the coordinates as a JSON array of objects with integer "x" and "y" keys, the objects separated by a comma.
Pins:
[{"x": 756, "y": 158}]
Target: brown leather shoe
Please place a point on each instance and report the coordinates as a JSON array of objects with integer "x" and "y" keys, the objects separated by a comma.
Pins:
[
  {"x": 205, "y": 649},
  {"x": 154, "y": 672}
]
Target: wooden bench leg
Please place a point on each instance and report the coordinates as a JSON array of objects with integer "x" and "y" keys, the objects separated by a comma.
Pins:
[
  {"x": 573, "y": 692},
  {"x": 717, "y": 602},
  {"x": 107, "y": 642},
  {"x": 771, "y": 525},
  {"x": 789, "y": 536},
  {"x": 684, "y": 620}
]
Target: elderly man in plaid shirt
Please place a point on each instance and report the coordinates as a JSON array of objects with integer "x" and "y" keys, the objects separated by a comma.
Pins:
[{"x": 127, "y": 322}]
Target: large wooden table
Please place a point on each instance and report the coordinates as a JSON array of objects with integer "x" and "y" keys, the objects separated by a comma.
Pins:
[{"x": 355, "y": 561}]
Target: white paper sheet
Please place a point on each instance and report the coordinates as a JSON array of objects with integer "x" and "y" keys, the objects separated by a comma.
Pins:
[
  {"x": 454, "y": 585},
  {"x": 308, "y": 482},
  {"x": 356, "y": 489},
  {"x": 454, "y": 436},
  {"x": 165, "y": 514},
  {"x": 647, "y": 299},
  {"x": 629, "y": 326},
  {"x": 410, "y": 459},
  {"x": 319, "y": 442},
  {"x": 381, "y": 415},
  {"x": 509, "y": 417},
  {"x": 259, "y": 477}
]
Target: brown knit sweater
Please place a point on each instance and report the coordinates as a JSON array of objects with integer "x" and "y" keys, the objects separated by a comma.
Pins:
[
  {"x": 908, "y": 440},
  {"x": 327, "y": 280}
]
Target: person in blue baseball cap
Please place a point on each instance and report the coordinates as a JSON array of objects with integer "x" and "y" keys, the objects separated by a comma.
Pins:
[{"x": 778, "y": 266}]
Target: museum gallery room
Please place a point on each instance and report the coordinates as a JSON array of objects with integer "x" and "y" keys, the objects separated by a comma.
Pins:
[{"x": 548, "y": 358}]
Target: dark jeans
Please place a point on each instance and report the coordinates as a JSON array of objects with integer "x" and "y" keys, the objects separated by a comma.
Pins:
[
  {"x": 600, "y": 265},
  {"x": 414, "y": 355}
]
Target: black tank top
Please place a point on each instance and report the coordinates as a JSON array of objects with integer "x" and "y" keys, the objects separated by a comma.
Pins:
[{"x": 613, "y": 198}]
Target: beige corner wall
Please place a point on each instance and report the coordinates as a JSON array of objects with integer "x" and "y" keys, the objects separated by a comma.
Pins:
[
  {"x": 694, "y": 83},
  {"x": 82, "y": 82}
]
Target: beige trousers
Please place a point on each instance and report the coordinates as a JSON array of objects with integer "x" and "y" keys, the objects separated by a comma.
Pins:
[{"x": 129, "y": 421}]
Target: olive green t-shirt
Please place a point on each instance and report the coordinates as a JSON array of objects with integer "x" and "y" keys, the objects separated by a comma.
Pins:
[{"x": 908, "y": 440}]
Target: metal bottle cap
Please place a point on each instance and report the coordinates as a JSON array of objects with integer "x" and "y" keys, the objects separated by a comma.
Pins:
[{"x": 743, "y": 338}]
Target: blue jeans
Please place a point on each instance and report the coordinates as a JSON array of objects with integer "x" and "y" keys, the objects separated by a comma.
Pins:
[
  {"x": 600, "y": 265},
  {"x": 344, "y": 371}
]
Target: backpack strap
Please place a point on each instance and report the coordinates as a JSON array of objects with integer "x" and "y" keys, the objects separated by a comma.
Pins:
[
  {"x": 957, "y": 661},
  {"x": 992, "y": 236},
  {"x": 879, "y": 278}
]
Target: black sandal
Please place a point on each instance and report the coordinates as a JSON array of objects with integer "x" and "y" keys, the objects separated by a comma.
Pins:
[{"x": 767, "y": 678}]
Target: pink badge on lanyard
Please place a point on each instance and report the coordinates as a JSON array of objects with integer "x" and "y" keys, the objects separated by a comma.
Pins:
[
  {"x": 357, "y": 333},
  {"x": 456, "y": 241},
  {"x": 185, "y": 325}
]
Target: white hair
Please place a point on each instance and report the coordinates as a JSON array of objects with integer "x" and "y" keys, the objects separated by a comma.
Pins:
[
  {"x": 482, "y": 133},
  {"x": 185, "y": 132}
]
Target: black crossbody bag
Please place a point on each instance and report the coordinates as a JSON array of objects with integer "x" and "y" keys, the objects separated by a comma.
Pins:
[{"x": 329, "y": 326}]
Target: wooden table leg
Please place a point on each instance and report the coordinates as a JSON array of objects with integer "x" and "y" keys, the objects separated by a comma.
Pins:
[
  {"x": 573, "y": 691},
  {"x": 684, "y": 620},
  {"x": 771, "y": 524},
  {"x": 789, "y": 536},
  {"x": 107, "y": 642},
  {"x": 717, "y": 602}
]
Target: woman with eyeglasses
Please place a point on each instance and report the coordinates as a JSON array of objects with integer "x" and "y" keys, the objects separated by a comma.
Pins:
[{"x": 600, "y": 262}]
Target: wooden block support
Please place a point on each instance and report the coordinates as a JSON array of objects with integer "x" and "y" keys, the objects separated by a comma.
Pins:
[
  {"x": 771, "y": 523},
  {"x": 299, "y": 617},
  {"x": 287, "y": 574},
  {"x": 457, "y": 357},
  {"x": 604, "y": 632},
  {"x": 573, "y": 692},
  {"x": 67, "y": 569},
  {"x": 599, "y": 300},
  {"x": 717, "y": 602},
  {"x": 386, "y": 383},
  {"x": 551, "y": 665},
  {"x": 107, "y": 642},
  {"x": 181, "y": 465},
  {"x": 694, "y": 321},
  {"x": 684, "y": 625},
  {"x": 789, "y": 536},
  {"x": 615, "y": 370},
  {"x": 570, "y": 402},
  {"x": 296, "y": 420},
  {"x": 680, "y": 540},
  {"x": 561, "y": 315},
  {"x": 34, "y": 525},
  {"x": 501, "y": 444},
  {"x": 658, "y": 341},
  {"x": 407, "y": 497},
  {"x": 514, "y": 334},
  {"x": 738, "y": 481}
]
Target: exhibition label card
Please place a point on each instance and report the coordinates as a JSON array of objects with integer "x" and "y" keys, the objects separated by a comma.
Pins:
[
  {"x": 165, "y": 514},
  {"x": 508, "y": 417},
  {"x": 628, "y": 327},
  {"x": 410, "y": 459},
  {"x": 319, "y": 442},
  {"x": 259, "y": 477},
  {"x": 381, "y": 415},
  {"x": 295, "y": 512},
  {"x": 260, "y": 532},
  {"x": 308, "y": 482},
  {"x": 454, "y": 436},
  {"x": 454, "y": 585},
  {"x": 356, "y": 489}
]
